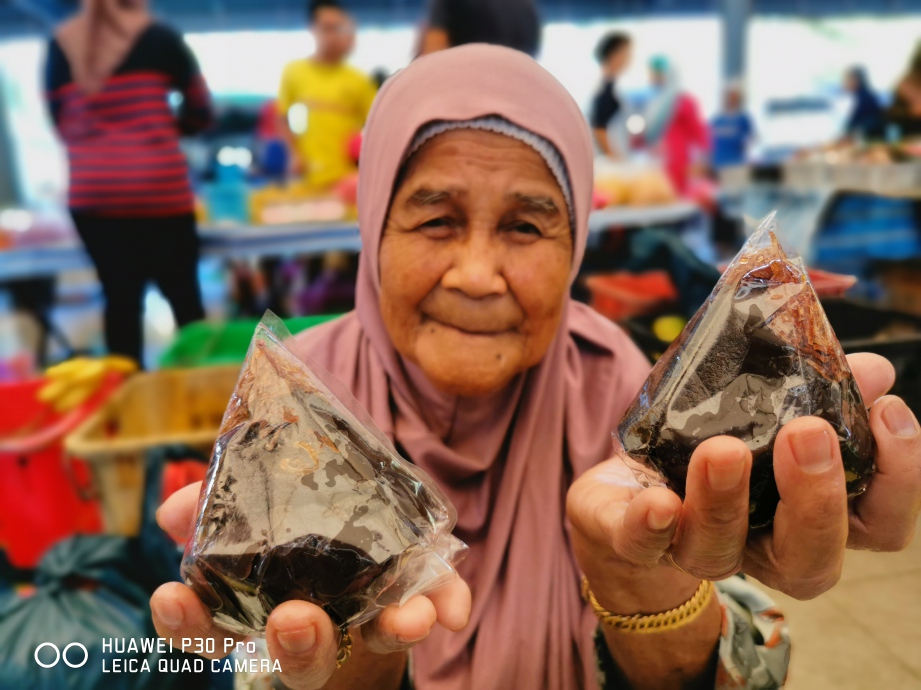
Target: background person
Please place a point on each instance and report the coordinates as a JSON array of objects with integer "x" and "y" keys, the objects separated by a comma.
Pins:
[
  {"x": 731, "y": 131},
  {"x": 337, "y": 98},
  {"x": 674, "y": 125},
  {"x": 906, "y": 105},
  {"x": 109, "y": 73},
  {"x": 866, "y": 119},
  {"x": 510, "y": 23},
  {"x": 613, "y": 54}
]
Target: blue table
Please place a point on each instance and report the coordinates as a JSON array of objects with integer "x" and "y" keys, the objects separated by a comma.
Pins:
[
  {"x": 248, "y": 241},
  {"x": 237, "y": 242}
]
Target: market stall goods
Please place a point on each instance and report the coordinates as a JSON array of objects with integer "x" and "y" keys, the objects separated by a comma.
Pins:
[
  {"x": 625, "y": 184},
  {"x": 759, "y": 353},
  {"x": 304, "y": 501}
]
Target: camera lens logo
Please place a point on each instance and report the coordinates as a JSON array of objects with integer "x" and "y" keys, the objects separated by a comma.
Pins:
[{"x": 59, "y": 655}]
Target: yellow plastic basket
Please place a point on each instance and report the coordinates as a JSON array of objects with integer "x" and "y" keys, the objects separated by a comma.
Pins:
[{"x": 176, "y": 407}]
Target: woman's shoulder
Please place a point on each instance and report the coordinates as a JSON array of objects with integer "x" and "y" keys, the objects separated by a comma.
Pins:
[
  {"x": 57, "y": 68},
  {"x": 157, "y": 45},
  {"x": 596, "y": 333},
  {"x": 160, "y": 31},
  {"x": 608, "y": 356},
  {"x": 330, "y": 342},
  {"x": 605, "y": 370},
  {"x": 55, "y": 52}
]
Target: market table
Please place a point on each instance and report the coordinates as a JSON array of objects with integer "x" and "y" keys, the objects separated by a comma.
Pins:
[
  {"x": 232, "y": 242},
  {"x": 642, "y": 216},
  {"x": 247, "y": 241}
]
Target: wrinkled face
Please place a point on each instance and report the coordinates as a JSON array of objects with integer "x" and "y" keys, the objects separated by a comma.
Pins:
[
  {"x": 334, "y": 33},
  {"x": 475, "y": 261}
]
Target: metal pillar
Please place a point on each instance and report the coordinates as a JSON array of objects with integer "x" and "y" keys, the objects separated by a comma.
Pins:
[{"x": 735, "y": 15}]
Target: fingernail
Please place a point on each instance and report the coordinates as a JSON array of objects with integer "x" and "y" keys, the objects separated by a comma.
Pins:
[
  {"x": 726, "y": 476},
  {"x": 899, "y": 420},
  {"x": 659, "y": 522},
  {"x": 812, "y": 451},
  {"x": 298, "y": 641},
  {"x": 170, "y": 613},
  {"x": 410, "y": 640}
]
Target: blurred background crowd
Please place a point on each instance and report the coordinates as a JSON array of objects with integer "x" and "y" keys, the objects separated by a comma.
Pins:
[
  {"x": 210, "y": 124},
  {"x": 168, "y": 171}
]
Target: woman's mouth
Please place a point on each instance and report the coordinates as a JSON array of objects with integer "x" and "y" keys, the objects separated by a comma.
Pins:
[{"x": 469, "y": 327}]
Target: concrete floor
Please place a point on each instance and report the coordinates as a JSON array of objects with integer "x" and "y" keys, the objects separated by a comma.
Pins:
[{"x": 865, "y": 634}]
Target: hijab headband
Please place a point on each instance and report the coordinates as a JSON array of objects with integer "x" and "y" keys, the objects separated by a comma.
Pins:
[{"x": 500, "y": 125}]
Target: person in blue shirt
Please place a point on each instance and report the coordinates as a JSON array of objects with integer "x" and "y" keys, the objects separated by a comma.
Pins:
[
  {"x": 731, "y": 131},
  {"x": 866, "y": 120}
]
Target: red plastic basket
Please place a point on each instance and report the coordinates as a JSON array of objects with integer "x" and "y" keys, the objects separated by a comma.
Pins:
[
  {"x": 624, "y": 295},
  {"x": 41, "y": 501}
]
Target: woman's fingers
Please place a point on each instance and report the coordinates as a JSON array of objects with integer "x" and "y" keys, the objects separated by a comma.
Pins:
[
  {"x": 400, "y": 627},
  {"x": 805, "y": 552},
  {"x": 642, "y": 534},
  {"x": 874, "y": 375},
  {"x": 302, "y": 638},
  {"x": 177, "y": 514},
  {"x": 714, "y": 521},
  {"x": 884, "y": 518},
  {"x": 614, "y": 514},
  {"x": 452, "y": 604},
  {"x": 178, "y": 614}
]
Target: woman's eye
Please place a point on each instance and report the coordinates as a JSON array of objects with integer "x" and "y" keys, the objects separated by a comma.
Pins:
[
  {"x": 437, "y": 228},
  {"x": 527, "y": 229},
  {"x": 435, "y": 223}
]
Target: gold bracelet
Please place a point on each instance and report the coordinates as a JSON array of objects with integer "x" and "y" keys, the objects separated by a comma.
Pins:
[{"x": 656, "y": 622}]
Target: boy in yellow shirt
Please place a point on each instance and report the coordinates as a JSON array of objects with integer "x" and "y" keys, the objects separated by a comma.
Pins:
[{"x": 337, "y": 98}]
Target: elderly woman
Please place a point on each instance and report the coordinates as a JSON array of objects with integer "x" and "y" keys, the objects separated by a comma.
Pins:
[{"x": 467, "y": 352}]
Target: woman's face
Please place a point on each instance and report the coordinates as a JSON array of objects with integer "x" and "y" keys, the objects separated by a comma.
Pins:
[{"x": 475, "y": 261}]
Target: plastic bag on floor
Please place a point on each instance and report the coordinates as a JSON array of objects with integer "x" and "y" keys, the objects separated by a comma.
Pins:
[{"x": 89, "y": 604}]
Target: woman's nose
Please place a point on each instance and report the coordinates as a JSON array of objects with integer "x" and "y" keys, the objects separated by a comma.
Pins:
[{"x": 476, "y": 270}]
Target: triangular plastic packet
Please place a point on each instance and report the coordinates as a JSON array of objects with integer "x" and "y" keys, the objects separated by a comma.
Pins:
[
  {"x": 306, "y": 499},
  {"x": 759, "y": 353}
]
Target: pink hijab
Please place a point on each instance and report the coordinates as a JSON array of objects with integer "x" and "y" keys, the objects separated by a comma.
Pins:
[{"x": 505, "y": 461}]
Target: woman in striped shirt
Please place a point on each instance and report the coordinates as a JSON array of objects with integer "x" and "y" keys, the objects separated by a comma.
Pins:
[{"x": 110, "y": 72}]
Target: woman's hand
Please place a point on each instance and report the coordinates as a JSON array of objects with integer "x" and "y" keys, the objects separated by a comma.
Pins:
[
  {"x": 300, "y": 635},
  {"x": 628, "y": 539}
]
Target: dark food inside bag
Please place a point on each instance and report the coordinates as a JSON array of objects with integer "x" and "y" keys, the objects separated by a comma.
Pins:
[
  {"x": 759, "y": 353},
  {"x": 302, "y": 502}
]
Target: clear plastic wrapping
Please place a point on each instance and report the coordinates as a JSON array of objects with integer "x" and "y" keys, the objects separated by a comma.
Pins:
[
  {"x": 759, "y": 353},
  {"x": 306, "y": 499}
]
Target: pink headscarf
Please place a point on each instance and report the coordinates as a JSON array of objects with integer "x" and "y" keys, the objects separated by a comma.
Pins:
[{"x": 505, "y": 461}]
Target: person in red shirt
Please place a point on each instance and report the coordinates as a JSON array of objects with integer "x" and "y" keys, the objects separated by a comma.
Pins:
[
  {"x": 110, "y": 72},
  {"x": 674, "y": 125}
]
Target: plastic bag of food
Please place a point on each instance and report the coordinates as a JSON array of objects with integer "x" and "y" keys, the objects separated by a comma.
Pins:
[
  {"x": 306, "y": 499},
  {"x": 759, "y": 353}
]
